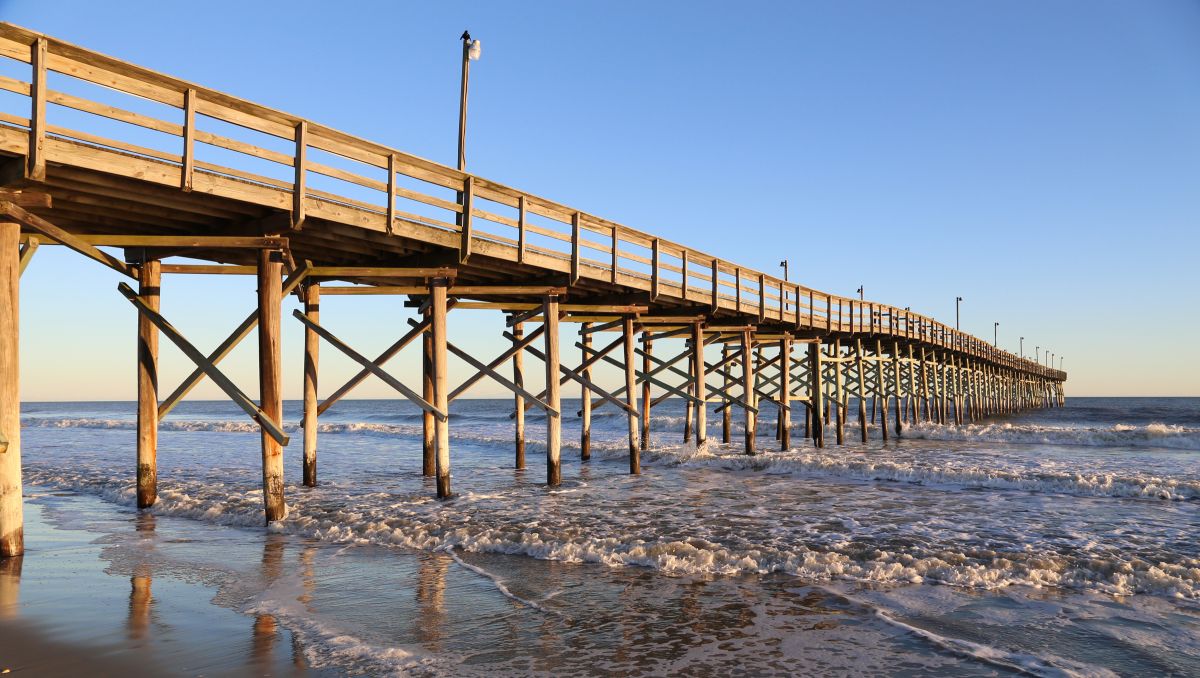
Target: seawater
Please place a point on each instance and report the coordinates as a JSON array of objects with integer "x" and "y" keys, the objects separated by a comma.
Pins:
[{"x": 1055, "y": 542}]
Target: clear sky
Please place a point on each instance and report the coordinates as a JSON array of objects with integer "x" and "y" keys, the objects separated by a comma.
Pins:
[{"x": 1039, "y": 158}]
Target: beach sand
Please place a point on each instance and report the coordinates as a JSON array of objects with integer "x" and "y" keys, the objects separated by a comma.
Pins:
[{"x": 67, "y": 609}]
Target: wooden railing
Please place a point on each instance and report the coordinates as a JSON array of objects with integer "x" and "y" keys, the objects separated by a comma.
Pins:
[{"x": 136, "y": 122}]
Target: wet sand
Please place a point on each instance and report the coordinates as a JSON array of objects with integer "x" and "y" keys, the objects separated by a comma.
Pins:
[{"x": 67, "y": 610}]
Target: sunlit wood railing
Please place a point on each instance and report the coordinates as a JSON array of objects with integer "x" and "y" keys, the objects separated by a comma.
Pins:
[{"x": 93, "y": 111}]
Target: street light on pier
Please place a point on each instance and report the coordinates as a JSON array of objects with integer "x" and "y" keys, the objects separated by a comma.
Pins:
[
  {"x": 996, "y": 335},
  {"x": 1037, "y": 354},
  {"x": 860, "y": 293},
  {"x": 1022, "y": 347},
  {"x": 784, "y": 264},
  {"x": 957, "y": 303},
  {"x": 470, "y": 52}
]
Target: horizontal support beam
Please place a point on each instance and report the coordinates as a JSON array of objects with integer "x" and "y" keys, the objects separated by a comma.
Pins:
[
  {"x": 208, "y": 269},
  {"x": 26, "y": 199},
  {"x": 202, "y": 241},
  {"x": 58, "y": 235},
  {"x": 382, "y": 272}
]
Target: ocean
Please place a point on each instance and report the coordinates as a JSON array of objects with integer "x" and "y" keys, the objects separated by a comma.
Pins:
[{"x": 1054, "y": 542}]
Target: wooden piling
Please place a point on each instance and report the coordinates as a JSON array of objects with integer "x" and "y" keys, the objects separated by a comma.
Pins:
[
  {"x": 553, "y": 399},
  {"x": 862, "y": 388},
  {"x": 270, "y": 378},
  {"x": 648, "y": 351},
  {"x": 585, "y": 396},
  {"x": 312, "y": 343},
  {"x": 898, "y": 385},
  {"x": 839, "y": 396},
  {"x": 149, "y": 282},
  {"x": 428, "y": 423},
  {"x": 881, "y": 390},
  {"x": 726, "y": 412},
  {"x": 700, "y": 377},
  {"x": 816, "y": 393},
  {"x": 688, "y": 406},
  {"x": 518, "y": 333},
  {"x": 12, "y": 530},
  {"x": 635, "y": 462},
  {"x": 748, "y": 390},
  {"x": 785, "y": 393},
  {"x": 441, "y": 385}
]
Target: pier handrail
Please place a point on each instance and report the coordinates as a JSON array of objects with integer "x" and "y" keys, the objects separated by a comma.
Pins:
[{"x": 541, "y": 232}]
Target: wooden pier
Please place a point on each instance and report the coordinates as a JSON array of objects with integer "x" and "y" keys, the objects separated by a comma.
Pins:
[{"x": 184, "y": 180}]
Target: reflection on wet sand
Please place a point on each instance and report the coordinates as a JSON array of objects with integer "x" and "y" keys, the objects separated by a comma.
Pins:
[
  {"x": 140, "y": 598},
  {"x": 10, "y": 587},
  {"x": 430, "y": 619},
  {"x": 266, "y": 628}
]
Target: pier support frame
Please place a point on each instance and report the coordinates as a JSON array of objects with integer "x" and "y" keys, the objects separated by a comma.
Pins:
[
  {"x": 12, "y": 521},
  {"x": 441, "y": 384},
  {"x": 270, "y": 379},
  {"x": 553, "y": 400},
  {"x": 518, "y": 333},
  {"x": 749, "y": 392},
  {"x": 149, "y": 282},
  {"x": 312, "y": 345}
]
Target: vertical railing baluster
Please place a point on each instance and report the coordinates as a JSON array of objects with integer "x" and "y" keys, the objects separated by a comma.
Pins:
[
  {"x": 36, "y": 167},
  {"x": 189, "y": 140}
]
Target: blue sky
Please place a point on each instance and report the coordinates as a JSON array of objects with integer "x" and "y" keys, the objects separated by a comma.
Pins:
[{"x": 1040, "y": 159}]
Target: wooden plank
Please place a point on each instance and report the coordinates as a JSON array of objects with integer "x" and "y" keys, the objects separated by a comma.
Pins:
[
  {"x": 189, "y": 139},
  {"x": 178, "y": 241},
  {"x": 272, "y": 427}
]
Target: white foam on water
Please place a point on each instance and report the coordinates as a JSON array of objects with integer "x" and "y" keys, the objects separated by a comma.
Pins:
[
  {"x": 1117, "y": 435},
  {"x": 498, "y": 583}
]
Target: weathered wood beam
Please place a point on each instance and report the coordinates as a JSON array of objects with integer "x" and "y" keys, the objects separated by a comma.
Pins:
[
  {"x": 12, "y": 521},
  {"x": 28, "y": 249},
  {"x": 26, "y": 198},
  {"x": 516, "y": 349},
  {"x": 312, "y": 346},
  {"x": 554, "y": 404},
  {"x": 208, "y": 269},
  {"x": 149, "y": 281},
  {"x": 382, "y": 272},
  {"x": 36, "y": 223}
]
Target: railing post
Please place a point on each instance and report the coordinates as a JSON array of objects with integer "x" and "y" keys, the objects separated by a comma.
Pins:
[
  {"x": 301, "y": 167},
  {"x": 575, "y": 248},
  {"x": 35, "y": 170},
  {"x": 464, "y": 247},
  {"x": 654, "y": 276},
  {"x": 616, "y": 240},
  {"x": 715, "y": 286},
  {"x": 521, "y": 209},
  {"x": 391, "y": 189},
  {"x": 189, "y": 140},
  {"x": 683, "y": 277}
]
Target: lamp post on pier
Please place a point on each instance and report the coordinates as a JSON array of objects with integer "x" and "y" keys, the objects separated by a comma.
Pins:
[
  {"x": 784, "y": 264},
  {"x": 471, "y": 50},
  {"x": 1022, "y": 347},
  {"x": 957, "y": 304},
  {"x": 996, "y": 335},
  {"x": 860, "y": 293},
  {"x": 1037, "y": 354}
]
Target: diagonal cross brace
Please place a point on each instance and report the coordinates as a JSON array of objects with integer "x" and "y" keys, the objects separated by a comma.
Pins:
[
  {"x": 370, "y": 366},
  {"x": 243, "y": 401},
  {"x": 597, "y": 355},
  {"x": 484, "y": 369},
  {"x": 579, "y": 378},
  {"x": 645, "y": 377},
  {"x": 387, "y": 355},
  {"x": 27, "y": 251},
  {"x": 239, "y": 333},
  {"x": 516, "y": 348}
]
